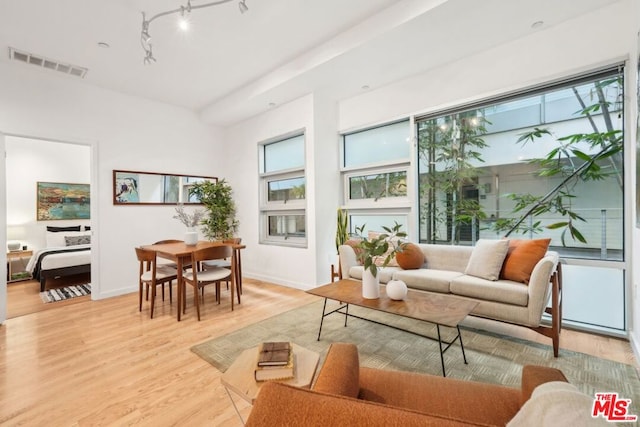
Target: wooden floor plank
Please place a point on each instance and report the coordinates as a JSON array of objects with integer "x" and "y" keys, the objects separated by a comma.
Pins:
[{"x": 106, "y": 363}]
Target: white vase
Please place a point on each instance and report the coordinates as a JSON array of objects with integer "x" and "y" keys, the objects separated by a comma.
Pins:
[
  {"x": 397, "y": 290},
  {"x": 370, "y": 285},
  {"x": 191, "y": 236}
]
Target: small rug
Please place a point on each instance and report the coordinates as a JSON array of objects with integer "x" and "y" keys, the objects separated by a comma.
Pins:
[
  {"x": 68, "y": 292},
  {"x": 492, "y": 358}
]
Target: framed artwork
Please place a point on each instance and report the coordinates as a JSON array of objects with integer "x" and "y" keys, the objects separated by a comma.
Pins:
[{"x": 57, "y": 200}]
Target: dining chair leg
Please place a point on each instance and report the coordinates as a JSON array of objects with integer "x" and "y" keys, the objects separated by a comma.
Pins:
[
  {"x": 171, "y": 292},
  {"x": 196, "y": 302},
  {"x": 163, "y": 292},
  {"x": 140, "y": 292},
  {"x": 153, "y": 297}
]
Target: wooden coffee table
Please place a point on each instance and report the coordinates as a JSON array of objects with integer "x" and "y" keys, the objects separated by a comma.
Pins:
[
  {"x": 441, "y": 310},
  {"x": 239, "y": 377}
]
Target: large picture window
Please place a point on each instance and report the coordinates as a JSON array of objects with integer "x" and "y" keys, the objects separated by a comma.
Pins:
[
  {"x": 283, "y": 191},
  {"x": 545, "y": 163}
]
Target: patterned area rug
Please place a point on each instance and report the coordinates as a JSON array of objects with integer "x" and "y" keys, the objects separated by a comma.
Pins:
[
  {"x": 68, "y": 292},
  {"x": 492, "y": 358}
]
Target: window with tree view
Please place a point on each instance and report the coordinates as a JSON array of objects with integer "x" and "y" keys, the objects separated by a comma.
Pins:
[{"x": 547, "y": 163}]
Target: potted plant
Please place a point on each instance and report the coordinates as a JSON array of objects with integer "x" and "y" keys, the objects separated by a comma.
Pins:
[
  {"x": 220, "y": 222},
  {"x": 384, "y": 246},
  {"x": 191, "y": 221}
]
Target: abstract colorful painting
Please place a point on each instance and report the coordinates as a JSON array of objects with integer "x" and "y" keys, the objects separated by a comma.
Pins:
[{"x": 57, "y": 200}]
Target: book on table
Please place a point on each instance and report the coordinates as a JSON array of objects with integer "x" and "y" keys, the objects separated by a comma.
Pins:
[
  {"x": 276, "y": 372},
  {"x": 274, "y": 353}
]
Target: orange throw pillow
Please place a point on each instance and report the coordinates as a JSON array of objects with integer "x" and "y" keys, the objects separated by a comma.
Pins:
[
  {"x": 411, "y": 257},
  {"x": 522, "y": 257}
]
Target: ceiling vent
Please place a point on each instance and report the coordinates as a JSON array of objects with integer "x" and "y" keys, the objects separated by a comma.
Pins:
[{"x": 41, "y": 61}]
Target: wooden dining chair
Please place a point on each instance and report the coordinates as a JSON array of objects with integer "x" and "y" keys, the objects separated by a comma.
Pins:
[
  {"x": 226, "y": 263},
  {"x": 151, "y": 275},
  {"x": 163, "y": 262},
  {"x": 199, "y": 279}
]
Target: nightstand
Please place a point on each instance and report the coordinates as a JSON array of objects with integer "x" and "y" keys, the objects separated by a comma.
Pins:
[{"x": 19, "y": 275}]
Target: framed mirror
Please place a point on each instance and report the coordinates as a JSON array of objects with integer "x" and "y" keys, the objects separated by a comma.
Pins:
[{"x": 153, "y": 188}]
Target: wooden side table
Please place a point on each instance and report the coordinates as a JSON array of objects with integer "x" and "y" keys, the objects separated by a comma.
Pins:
[
  {"x": 240, "y": 376},
  {"x": 21, "y": 254}
]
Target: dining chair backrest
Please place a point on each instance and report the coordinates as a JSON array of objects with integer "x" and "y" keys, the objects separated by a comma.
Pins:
[
  {"x": 234, "y": 240},
  {"x": 213, "y": 252},
  {"x": 162, "y": 242},
  {"x": 147, "y": 259}
]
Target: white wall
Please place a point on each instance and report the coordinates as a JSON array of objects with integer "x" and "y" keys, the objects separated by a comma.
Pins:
[
  {"x": 301, "y": 268},
  {"x": 279, "y": 264},
  {"x": 123, "y": 132},
  {"x": 546, "y": 54},
  {"x": 30, "y": 161}
]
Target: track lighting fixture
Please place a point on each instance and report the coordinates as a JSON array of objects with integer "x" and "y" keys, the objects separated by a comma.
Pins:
[{"x": 145, "y": 37}]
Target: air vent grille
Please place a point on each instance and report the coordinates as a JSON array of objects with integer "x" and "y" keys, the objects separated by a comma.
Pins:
[{"x": 51, "y": 64}]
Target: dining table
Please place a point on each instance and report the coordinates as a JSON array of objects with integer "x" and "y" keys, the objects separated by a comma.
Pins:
[{"x": 180, "y": 253}]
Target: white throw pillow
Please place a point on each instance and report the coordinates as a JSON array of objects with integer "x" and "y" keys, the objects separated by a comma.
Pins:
[
  {"x": 557, "y": 403},
  {"x": 487, "y": 258}
]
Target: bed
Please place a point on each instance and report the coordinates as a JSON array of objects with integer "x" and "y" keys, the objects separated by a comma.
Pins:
[{"x": 68, "y": 252}]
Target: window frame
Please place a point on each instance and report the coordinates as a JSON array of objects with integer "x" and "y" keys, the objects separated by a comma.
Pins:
[
  {"x": 395, "y": 206},
  {"x": 268, "y": 208}
]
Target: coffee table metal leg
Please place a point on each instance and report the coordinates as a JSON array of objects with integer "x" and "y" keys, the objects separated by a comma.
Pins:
[
  {"x": 441, "y": 352},
  {"x": 324, "y": 308},
  {"x": 346, "y": 315},
  {"x": 234, "y": 405},
  {"x": 461, "y": 346}
]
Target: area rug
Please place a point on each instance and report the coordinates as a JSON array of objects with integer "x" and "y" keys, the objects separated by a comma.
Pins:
[
  {"x": 68, "y": 292},
  {"x": 492, "y": 358}
]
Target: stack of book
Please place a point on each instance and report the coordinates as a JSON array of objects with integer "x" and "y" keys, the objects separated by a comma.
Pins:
[{"x": 275, "y": 361}]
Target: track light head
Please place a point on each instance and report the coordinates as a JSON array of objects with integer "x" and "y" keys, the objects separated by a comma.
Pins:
[{"x": 243, "y": 6}]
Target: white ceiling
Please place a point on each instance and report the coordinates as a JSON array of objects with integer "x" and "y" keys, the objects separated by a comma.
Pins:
[{"x": 231, "y": 66}]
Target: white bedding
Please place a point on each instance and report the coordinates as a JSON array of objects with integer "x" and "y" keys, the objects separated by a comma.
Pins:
[{"x": 60, "y": 260}]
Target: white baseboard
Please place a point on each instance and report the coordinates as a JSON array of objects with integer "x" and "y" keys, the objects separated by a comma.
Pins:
[{"x": 277, "y": 280}]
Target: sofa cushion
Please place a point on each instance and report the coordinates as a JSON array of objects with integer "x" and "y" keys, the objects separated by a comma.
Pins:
[
  {"x": 411, "y": 257},
  {"x": 446, "y": 257},
  {"x": 504, "y": 291},
  {"x": 384, "y": 273},
  {"x": 487, "y": 258},
  {"x": 425, "y": 279},
  {"x": 557, "y": 403},
  {"x": 472, "y": 402},
  {"x": 522, "y": 257}
]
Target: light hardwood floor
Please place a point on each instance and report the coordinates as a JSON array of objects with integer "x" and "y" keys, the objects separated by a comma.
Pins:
[{"x": 105, "y": 363}]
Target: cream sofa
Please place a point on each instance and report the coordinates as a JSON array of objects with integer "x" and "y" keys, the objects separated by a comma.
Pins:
[{"x": 502, "y": 300}]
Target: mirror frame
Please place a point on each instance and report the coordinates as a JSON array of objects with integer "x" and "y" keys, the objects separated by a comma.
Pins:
[{"x": 117, "y": 172}]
